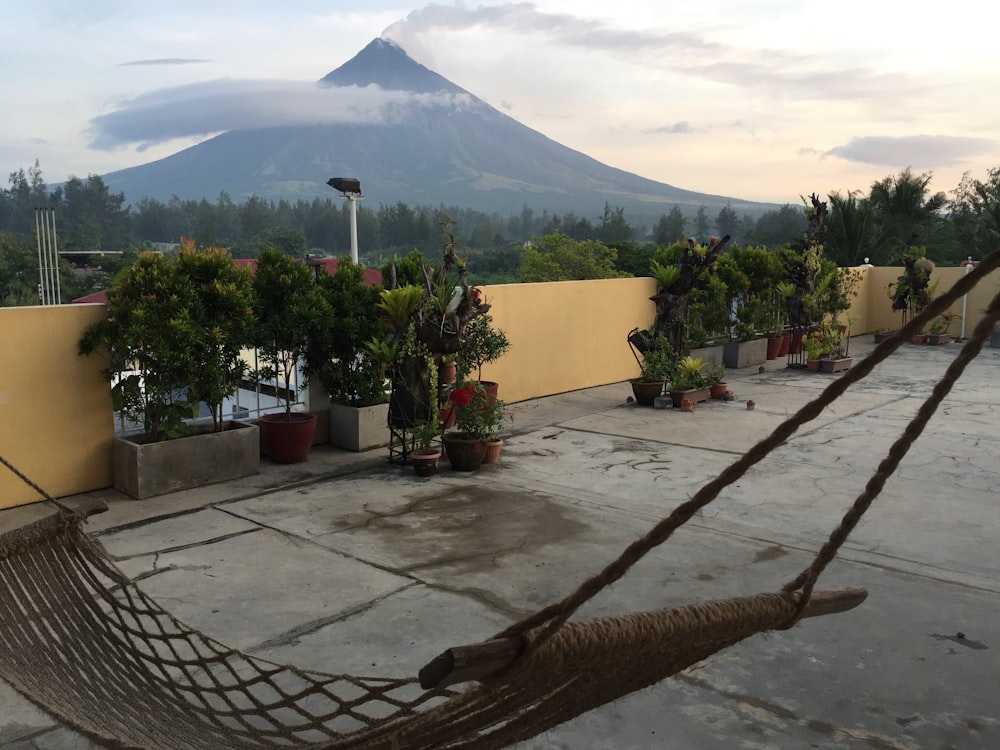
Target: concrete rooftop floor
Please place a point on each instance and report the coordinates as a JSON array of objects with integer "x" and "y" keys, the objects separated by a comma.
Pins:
[{"x": 351, "y": 564}]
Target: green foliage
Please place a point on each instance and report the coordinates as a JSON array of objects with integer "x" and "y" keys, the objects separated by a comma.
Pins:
[
  {"x": 669, "y": 227},
  {"x": 691, "y": 373},
  {"x": 665, "y": 275},
  {"x": 347, "y": 355},
  {"x": 478, "y": 415},
  {"x": 398, "y": 306},
  {"x": 481, "y": 345},
  {"x": 658, "y": 358},
  {"x": 174, "y": 334},
  {"x": 291, "y": 312},
  {"x": 556, "y": 257}
]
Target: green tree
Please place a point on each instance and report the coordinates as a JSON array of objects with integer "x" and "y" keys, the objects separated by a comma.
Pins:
[
  {"x": 908, "y": 215},
  {"x": 851, "y": 229},
  {"x": 18, "y": 272},
  {"x": 90, "y": 217},
  {"x": 669, "y": 228},
  {"x": 786, "y": 225},
  {"x": 727, "y": 221},
  {"x": 701, "y": 225},
  {"x": 613, "y": 227},
  {"x": 556, "y": 257},
  {"x": 975, "y": 213}
]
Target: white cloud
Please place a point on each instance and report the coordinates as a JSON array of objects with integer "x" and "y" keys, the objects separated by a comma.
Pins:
[{"x": 216, "y": 106}]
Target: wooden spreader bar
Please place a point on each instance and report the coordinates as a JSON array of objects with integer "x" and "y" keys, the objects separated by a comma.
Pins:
[{"x": 478, "y": 661}]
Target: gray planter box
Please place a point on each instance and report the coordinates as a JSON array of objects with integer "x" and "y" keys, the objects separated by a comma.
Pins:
[
  {"x": 359, "y": 428},
  {"x": 144, "y": 469},
  {"x": 737, "y": 354},
  {"x": 711, "y": 355}
]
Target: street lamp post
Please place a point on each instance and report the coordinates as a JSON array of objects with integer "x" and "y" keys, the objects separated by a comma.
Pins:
[{"x": 350, "y": 189}]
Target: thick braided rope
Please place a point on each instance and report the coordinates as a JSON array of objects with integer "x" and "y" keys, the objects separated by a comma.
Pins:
[
  {"x": 17, "y": 472},
  {"x": 558, "y": 613},
  {"x": 807, "y": 579}
]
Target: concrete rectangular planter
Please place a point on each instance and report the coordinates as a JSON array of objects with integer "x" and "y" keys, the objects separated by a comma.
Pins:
[
  {"x": 359, "y": 428},
  {"x": 737, "y": 354},
  {"x": 144, "y": 469},
  {"x": 711, "y": 354}
]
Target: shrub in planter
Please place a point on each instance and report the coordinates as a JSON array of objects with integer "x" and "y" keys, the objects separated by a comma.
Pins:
[
  {"x": 175, "y": 331},
  {"x": 351, "y": 360},
  {"x": 290, "y": 312}
]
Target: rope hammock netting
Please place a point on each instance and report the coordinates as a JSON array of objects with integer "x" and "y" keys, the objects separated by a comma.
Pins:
[{"x": 80, "y": 639}]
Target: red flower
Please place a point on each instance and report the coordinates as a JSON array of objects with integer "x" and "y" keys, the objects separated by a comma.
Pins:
[{"x": 462, "y": 396}]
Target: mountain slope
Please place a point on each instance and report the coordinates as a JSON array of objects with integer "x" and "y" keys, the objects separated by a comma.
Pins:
[{"x": 448, "y": 148}]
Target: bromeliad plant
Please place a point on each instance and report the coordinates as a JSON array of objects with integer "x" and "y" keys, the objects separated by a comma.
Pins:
[
  {"x": 693, "y": 373},
  {"x": 478, "y": 415}
]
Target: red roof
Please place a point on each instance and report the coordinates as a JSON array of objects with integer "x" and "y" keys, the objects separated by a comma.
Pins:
[{"x": 95, "y": 297}]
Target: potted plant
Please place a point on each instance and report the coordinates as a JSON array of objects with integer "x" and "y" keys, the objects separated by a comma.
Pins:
[
  {"x": 351, "y": 360},
  {"x": 478, "y": 417},
  {"x": 717, "y": 384},
  {"x": 425, "y": 455},
  {"x": 175, "y": 331},
  {"x": 813, "y": 345},
  {"x": 290, "y": 312},
  {"x": 482, "y": 344},
  {"x": 690, "y": 381},
  {"x": 657, "y": 359}
]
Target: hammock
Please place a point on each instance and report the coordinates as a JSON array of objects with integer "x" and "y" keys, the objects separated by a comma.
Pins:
[{"x": 79, "y": 638}]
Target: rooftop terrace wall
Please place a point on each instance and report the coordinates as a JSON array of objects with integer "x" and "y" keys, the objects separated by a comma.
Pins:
[{"x": 57, "y": 425}]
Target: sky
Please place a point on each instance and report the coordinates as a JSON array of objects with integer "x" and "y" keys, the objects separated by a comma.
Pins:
[{"x": 763, "y": 100}]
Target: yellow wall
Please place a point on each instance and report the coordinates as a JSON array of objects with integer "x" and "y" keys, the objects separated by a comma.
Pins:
[
  {"x": 567, "y": 335},
  {"x": 56, "y": 423},
  {"x": 882, "y": 316}
]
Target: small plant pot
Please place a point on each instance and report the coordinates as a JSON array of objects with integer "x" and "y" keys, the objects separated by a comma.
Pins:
[
  {"x": 729, "y": 396},
  {"x": 919, "y": 338},
  {"x": 751, "y": 405},
  {"x": 718, "y": 390},
  {"x": 687, "y": 404},
  {"x": 425, "y": 461},
  {"x": 812, "y": 365},
  {"x": 492, "y": 451}
]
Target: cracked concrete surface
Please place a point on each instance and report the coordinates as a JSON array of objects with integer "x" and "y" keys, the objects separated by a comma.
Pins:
[{"x": 350, "y": 564}]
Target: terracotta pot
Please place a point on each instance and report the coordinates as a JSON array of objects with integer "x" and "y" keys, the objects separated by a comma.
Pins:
[
  {"x": 287, "y": 441},
  {"x": 718, "y": 390},
  {"x": 492, "y": 451},
  {"x": 464, "y": 454},
  {"x": 646, "y": 393},
  {"x": 447, "y": 372},
  {"x": 786, "y": 343},
  {"x": 425, "y": 461},
  {"x": 751, "y": 405},
  {"x": 812, "y": 365},
  {"x": 687, "y": 404},
  {"x": 773, "y": 346},
  {"x": 919, "y": 338}
]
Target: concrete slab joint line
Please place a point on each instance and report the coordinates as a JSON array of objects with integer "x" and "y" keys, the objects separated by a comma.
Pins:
[{"x": 347, "y": 564}]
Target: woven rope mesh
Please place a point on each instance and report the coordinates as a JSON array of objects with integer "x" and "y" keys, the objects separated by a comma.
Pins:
[{"x": 77, "y": 637}]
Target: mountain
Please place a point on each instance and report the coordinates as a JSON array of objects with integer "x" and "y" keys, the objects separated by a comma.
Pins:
[{"x": 452, "y": 148}]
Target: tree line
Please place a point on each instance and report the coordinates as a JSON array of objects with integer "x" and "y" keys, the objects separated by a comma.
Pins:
[{"x": 897, "y": 213}]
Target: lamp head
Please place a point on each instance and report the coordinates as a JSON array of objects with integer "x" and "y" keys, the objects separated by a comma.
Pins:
[{"x": 345, "y": 184}]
